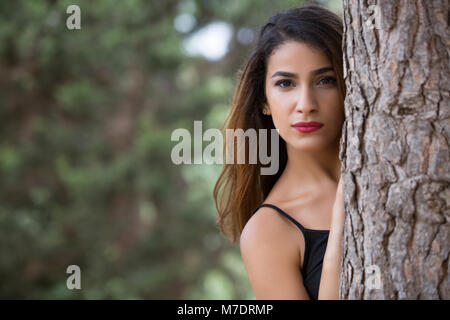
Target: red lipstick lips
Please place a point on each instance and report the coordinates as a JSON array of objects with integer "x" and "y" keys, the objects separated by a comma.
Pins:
[{"x": 307, "y": 126}]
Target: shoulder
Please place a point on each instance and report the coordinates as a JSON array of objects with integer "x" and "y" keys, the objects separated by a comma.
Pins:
[
  {"x": 262, "y": 221},
  {"x": 270, "y": 251},
  {"x": 268, "y": 232}
]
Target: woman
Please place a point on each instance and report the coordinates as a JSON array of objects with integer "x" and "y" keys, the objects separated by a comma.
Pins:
[{"x": 290, "y": 224}]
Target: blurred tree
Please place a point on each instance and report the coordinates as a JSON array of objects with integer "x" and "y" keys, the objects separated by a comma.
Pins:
[{"x": 86, "y": 174}]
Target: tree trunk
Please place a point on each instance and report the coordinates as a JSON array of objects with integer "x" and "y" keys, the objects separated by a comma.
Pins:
[{"x": 395, "y": 150}]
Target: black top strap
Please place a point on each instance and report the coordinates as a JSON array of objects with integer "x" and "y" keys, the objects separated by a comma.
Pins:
[
  {"x": 282, "y": 213},
  {"x": 302, "y": 229}
]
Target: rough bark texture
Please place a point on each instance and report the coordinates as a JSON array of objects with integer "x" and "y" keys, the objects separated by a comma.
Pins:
[{"x": 395, "y": 150}]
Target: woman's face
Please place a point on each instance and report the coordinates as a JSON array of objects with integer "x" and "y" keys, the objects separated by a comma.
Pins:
[{"x": 301, "y": 86}]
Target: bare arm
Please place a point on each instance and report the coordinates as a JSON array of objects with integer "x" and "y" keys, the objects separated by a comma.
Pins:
[
  {"x": 271, "y": 258},
  {"x": 331, "y": 269}
]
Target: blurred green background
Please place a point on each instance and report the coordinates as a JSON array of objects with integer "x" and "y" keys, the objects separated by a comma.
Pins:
[{"x": 86, "y": 176}]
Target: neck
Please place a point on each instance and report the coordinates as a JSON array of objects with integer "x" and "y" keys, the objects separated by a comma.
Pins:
[{"x": 312, "y": 168}]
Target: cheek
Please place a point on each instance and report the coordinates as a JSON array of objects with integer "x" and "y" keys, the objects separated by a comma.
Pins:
[
  {"x": 333, "y": 107},
  {"x": 272, "y": 97},
  {"x": 280, "y": 113},
  {"x": 281, "y": 122},
  {"x": 280, "y": 102}
]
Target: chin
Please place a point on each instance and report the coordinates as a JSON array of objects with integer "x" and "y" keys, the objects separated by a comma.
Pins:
[{"x": 312, "y": 145}]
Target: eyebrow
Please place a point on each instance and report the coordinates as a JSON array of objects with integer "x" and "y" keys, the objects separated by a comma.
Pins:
[{"x": 293, "y": 75}]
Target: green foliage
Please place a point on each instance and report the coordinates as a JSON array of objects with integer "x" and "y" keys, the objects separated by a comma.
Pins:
[{"x": 86, "y": 174}]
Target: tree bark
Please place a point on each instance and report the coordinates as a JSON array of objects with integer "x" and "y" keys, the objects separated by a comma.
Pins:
[{"x": 395, "y": 150}]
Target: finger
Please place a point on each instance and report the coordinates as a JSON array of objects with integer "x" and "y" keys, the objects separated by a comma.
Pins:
[{"x": 339, "y": 187}]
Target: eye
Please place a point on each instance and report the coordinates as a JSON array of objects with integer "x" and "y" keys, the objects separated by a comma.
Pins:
[
  {"x": 327, "y": 81},
  {"x": 283, "y": 83}
]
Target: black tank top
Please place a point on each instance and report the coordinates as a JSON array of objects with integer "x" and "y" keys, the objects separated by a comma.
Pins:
[{"x": 315, "y": 246}]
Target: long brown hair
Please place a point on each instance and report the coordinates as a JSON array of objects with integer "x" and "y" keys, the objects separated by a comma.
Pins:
[{"x": 241, "y": 187}]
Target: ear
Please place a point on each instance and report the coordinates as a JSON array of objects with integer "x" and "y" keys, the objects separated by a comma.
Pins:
[{"x": 266, "y": 109}]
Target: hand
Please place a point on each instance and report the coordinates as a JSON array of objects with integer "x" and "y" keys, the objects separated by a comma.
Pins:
[
  {"x": 338, "y": 207},
  {"x": 331, "y": 269}
]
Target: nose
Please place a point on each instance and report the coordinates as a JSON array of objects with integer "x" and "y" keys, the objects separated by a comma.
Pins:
[{"x": 306, "y": 102}]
